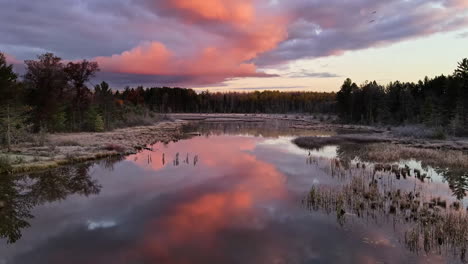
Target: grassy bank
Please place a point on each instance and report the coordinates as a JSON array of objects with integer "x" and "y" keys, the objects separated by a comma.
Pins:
[{"x": 68, "y": 148}]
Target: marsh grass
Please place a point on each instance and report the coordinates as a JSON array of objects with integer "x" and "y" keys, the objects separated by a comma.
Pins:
[
  {"x": 388, "y": 153},
  {"x": 68, "y": 143},
  {"x": 114, "y": 147},
  {"x": 420, "y": 132},
  {"x": 314, "y": 143},
  {"x": 427, "y": 224}
]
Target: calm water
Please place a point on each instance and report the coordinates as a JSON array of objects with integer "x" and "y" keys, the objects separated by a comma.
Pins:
[{"x": 233, "y": 196}]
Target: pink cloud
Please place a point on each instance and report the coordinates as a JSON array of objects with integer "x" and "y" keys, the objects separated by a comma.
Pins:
[
  {"x": 11, "y": 59},
  {"x": 232, "y": 11},
  {"x": 228, "y": 56},
  {"x": 191, "y": 42},
  {"x": 458, "y": 3}
]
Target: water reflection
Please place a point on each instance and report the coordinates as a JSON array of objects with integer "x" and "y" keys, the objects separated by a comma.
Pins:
[
  {"x": 19, "y": 194},
  {"x": 240, "y": 203},
  {"x": 456, "y": 178},
  {"x": 266, "y": 129}
]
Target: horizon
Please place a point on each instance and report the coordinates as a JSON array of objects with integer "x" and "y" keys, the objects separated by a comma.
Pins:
[{"x": 247, "y": 45}]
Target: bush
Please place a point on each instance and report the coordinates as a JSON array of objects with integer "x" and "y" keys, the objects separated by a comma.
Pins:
[
  {"x": 58, "y": 122},
  {"x": 94, "y": 121},
  {"x": 133, "y": 119},
  {"x": 5, "y": 165},
  {"x": 419, "y": 131},
  {"x": 68, "y": 143},
  {"x": 114, "y": 147},
  {"x": 98, "y": 124},
  {"x": 41, "y": 138},
  {"x": 438, "y": 133}
]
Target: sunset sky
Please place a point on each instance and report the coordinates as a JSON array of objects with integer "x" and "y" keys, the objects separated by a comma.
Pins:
[{"x": 242, "y": 45}]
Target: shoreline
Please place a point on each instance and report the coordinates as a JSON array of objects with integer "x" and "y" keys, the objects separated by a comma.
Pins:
[
  {"x": 70, "y": 148},
  {"x": 347, "y": 132}
]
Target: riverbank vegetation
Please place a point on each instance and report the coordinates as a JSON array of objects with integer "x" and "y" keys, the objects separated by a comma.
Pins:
[
  {"x": 427, "y": 223},
  {"x": 57, "y": 96}
]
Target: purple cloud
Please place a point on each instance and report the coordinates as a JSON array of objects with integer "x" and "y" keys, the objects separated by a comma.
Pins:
[{"x": 210, "y": 42}]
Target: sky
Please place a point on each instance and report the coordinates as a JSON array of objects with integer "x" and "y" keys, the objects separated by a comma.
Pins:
[{"x": 242, "y": 45}]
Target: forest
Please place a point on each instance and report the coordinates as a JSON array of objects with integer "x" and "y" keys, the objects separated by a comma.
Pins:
[
  {"x": 54, "y": 96},
  {"x": 440, "y": 102}
]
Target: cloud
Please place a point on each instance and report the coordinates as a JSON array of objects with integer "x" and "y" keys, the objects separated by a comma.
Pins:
[
  {"x": 211, "y": 65},
  {"x": 195, "y": 42},
  {"x": 11, "y": 59},
  {"x": 268, "y": 88},
  {"x": 327, "y": 28},
  {"x": 226, "y": 58},
  {"x": 463, "y": 35},
  {"x": 308, "y": 74},
  {"x": 457, "y": 3},
  {"x": 224, "y": 11}
]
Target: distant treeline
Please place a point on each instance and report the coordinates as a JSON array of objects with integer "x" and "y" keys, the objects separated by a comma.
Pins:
[
  {"x": 438, "y": 102},
  {"x": 55, "y": 96},
  {"x": 170, "y": 100}
]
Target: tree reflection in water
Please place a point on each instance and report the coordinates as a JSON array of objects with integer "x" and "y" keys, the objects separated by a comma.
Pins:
[
  {"x": 457, "y": 178},
  {"x": 19, "y": 194}
]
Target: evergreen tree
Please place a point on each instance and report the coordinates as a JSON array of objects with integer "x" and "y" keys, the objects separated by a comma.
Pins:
[{"x": 11, "y": 108}]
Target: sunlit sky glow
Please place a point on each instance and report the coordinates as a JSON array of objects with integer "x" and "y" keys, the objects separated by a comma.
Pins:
[{"x": 242, "y": 45}]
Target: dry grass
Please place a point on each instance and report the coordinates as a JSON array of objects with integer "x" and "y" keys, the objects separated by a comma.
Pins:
[
  {"x": 320, "y": 142},
  {"x": 68, "y": 143},
  {"x": 114, "y": 147},
  {"x": 67, "y": 148},
  {"x": 429, "y": 224},
  {"x": 388, "y": 153}
]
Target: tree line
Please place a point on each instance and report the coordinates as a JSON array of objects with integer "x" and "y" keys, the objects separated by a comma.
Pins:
[
  {"x": 440, "y": 102},
  {"x": 57, "y": 96}
]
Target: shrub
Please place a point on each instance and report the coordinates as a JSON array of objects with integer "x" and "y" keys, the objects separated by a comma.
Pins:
[
  {"x": 438, "y": 133},
  {"x": 42, "y": 137},
  {"x": 419, "y": 131},
  {"x": 114, "y": 147},
  {"x": 98, "y": 123},
  {"x": 68, "y": 143},
  {"x": 5, "y": 165},
  {"x": 133, "y": 119},
  {"x": 58, "y": 122}
]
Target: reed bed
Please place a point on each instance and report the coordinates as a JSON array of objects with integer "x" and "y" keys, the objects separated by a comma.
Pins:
[
  {"x": 428, "y": 224},
  {"x": 394, "y": 153}
]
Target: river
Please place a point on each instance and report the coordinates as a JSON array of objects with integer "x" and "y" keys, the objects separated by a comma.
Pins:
[{"x": 234, "y": 194}]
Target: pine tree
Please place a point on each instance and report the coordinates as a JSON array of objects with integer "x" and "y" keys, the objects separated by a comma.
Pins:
[
  {"x": 98, "y": 123},
  {"x": 11, "y": 110}
]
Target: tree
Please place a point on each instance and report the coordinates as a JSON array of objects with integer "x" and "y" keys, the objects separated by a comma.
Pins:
[
  {"x": 98, "y": 123},
  {"x": 11, "y": 115},
  {"x": 105, "y": 102},
  {"x": 462, "y": 69},
  {"x": 94, "y": 121},
  {"x": 461, "y": 114},
  {"x": 77, "y": 75},
  {"x": 344, "y": 100},
  {"x": 46, "y": 82}
]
